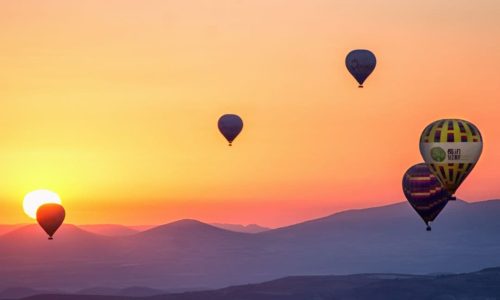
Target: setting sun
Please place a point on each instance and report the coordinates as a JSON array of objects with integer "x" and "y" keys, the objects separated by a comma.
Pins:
[{"x": 35, "y": 199}]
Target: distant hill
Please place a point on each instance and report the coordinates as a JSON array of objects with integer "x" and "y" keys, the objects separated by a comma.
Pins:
[
  {"x": 477, "y": 285},
  {"x": 122, "y": 230},
  {"x": 21, "y": 292},
  {"x": 250, "y": 228},
  {"x": 109, "y": 229},
  {"x": 187, "y": 228},
  {"x": 129, "y": 292},
  {"x": 141, "y": 227},
  {"x": 190, "y": 254},
  {"x": 8, "y": 228}
]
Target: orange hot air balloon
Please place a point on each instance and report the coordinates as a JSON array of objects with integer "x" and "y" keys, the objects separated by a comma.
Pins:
[{"x": 50, "y": 217}]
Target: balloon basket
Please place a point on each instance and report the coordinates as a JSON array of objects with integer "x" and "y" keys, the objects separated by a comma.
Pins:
[
  {"x": 50, "y": 238},
  {"x": 360, "y": 86}
]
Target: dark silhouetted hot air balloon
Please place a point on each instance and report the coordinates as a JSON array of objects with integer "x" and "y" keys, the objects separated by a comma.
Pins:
[
  {"x": 360, "y": 64},
  {"x": 424, "y": 192},
  {"x": 50, "y": 217},
  {"x": 451, "y": 149},
  {"x": 230, "y": 126}
]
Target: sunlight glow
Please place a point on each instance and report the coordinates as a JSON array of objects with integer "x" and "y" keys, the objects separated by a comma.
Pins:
[{"x": 35, "y": 199}]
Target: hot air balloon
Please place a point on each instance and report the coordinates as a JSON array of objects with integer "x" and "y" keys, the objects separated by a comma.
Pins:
[
  {"x": 360, "y": 64},
  {"x": 50, "y": 217},
  {"x": 451, "y": 148},
  {"x": 425, "y": 192},
  {"x": 230, "y": 126}
]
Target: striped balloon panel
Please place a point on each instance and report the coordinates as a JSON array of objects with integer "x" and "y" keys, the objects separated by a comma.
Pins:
[
  {"x": 424, "y": 192},
  {"x": 451, "y": 175},
  {"x": 451, "y": 131}
]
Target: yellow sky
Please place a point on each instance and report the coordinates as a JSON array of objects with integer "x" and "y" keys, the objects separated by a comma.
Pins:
[{"x": 113, "y": 104}]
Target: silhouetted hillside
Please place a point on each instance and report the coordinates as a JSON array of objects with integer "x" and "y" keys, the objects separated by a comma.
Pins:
[
  {"x": 250, "y": 228},
  {"x": 8, "y": 228},
  {"x": 20, "y": 292},
  {"x": 190, "y": 254},
  {"x": 109, "y": 229},
  {"x": 129, "y": 292},
  {"x": 478, "y": 285},
  {"x": 191, "y": 229}
]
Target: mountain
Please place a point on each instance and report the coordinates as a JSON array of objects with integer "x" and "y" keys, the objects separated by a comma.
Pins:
[
  {"x": 28, "y": 259},
  {"x": 393, "y": 239},
  {"x": 189, "y": 234},
  {"x": 109, "y": 229},
  {"x": 8, "y": 228},
  {"x": 171, "y": 256},
  {"x": 101, "y": 229},
  {"x": 129, "y": 292},
  {"x": 189, "y": 254},
  {"x": 122, "y": 230},
  {"x": 477, "y": 285},
  {"x": 141, "y": 227},
  {"x": 250, "y": 228},
  {"x": 20, "y": 292}
]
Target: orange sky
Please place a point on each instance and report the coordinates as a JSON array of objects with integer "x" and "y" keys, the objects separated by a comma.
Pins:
[{"x": 113, "y": 104}]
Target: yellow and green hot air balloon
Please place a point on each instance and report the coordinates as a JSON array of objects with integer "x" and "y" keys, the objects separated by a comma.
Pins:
[{"x": 451, "y": 149}]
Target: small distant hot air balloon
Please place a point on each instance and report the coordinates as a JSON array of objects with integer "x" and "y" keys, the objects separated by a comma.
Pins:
[
  {"x": 230, "y": 126},
  {"x": 451, "y": 149},
  {"x": 424, "y": 192},
  {"x": 360, "y": 64},
  {"x": 50, "y": 217}
]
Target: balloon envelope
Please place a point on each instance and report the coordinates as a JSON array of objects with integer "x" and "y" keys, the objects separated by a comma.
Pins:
[
  {"x": 230, "y": 126},
  {"x": 50, "y": 217},
  {"x": 424, "y": 191},
  {"x": 451, "y": 148},
  {"x": 360, "y": 64}
]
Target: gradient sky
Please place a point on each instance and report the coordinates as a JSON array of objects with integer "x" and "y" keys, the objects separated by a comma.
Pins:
[{"x": 113, "y": 104}]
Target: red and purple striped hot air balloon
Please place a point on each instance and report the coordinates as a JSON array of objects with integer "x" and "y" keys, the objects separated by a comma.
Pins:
[{"x": 425, "y": 192}]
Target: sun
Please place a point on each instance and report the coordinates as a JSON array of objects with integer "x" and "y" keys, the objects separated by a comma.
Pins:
[{"x": 33, "y": 200}]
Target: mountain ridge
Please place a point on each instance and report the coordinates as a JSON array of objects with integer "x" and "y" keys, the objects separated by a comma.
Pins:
[
  {"x": 189, "y": 253},
  {"x": 480, "y": 285}
]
